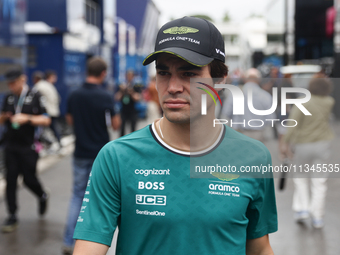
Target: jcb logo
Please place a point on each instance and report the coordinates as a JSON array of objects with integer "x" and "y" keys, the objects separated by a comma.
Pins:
[
  {"x": 150, "y": 200},
  {"x": 151, "y": 185}
]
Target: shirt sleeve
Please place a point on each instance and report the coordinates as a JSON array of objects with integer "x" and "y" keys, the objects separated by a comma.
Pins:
[
  {"x": 4, "y": 107},
  {"x": 39, "y": 104},
  {"x": 298, "y": 116},
  {"x": 261, "y": 211},
  {"x": 110, "y": 105},
  {"x": 101, "y": 206},
  {"x": 69, "y": 104}
]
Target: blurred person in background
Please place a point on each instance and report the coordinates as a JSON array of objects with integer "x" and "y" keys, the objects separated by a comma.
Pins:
[
  {"x": 128, "y": 95},
  {"x": 285, "y": 82},
  {"x": 262, "y": 100},
  {"x": 311, "y": 139},
  {"x": 150, "y": 95},
  {"x": 52, "y": 99},
  {"x": 271, "y": 80},
  {"x": 237, "y": 77},
  {"x": 152, "y": 92},
  {"x": 37, "y": 76},
  {"x": 90, "y": 111},
  {"x": 23, "y": 109}
]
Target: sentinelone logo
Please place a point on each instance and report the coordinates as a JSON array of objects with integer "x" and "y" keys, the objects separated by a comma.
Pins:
[{"x": 238, "y": 103}]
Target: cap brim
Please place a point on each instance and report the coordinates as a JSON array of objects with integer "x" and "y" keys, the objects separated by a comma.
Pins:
[{"x": 189, "y": 56}]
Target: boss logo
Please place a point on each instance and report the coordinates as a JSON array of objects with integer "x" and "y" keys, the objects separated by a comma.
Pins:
[
  {"x": 151, "y": 185},
  {"x": 150, "y": 200}
]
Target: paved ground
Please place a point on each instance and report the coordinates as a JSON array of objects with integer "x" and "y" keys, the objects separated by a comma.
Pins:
[{"x": 44, "y": 236}]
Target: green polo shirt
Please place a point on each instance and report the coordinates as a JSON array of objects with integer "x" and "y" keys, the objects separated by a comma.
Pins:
[{"x": 163, "y": 204}]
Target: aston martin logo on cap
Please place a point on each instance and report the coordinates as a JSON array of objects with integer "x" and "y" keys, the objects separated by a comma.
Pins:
[{"x": 180, "y": 30}]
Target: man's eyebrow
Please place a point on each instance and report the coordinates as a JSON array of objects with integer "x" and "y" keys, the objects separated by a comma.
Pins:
[
  {"x": 181, "y": 68},
  {"x": 162, "y": 67},
  {"x": 189, "y": 68}
]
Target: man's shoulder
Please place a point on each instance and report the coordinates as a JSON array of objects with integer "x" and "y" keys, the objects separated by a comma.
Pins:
[
  {"x": 103, "y": 94},
  {"x": 76, "y": 93},
  {"x": 248, "y": 143},
  {"x": 8, "y": 99},
  {"x": 33, "y": 92},
  {"x": 42, "y": 85},
  {"x": 92, "y": 93},
  {"x": 8, "y": 94}
]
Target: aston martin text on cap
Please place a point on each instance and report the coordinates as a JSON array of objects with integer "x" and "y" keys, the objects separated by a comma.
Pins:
[{"x": 195, "y": 40}]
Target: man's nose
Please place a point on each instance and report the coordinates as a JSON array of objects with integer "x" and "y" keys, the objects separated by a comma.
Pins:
[{"x": 175, "y": 84}]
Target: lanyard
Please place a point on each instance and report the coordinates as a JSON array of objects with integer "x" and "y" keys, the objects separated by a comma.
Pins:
[{"x": 21, "y": 100}]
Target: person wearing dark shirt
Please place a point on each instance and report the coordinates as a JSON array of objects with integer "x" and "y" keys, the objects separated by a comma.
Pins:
[
  {"x": 23, "y": 109},
  {"x": 128, "y": 95},
  {"x": 89, "y": 110}
]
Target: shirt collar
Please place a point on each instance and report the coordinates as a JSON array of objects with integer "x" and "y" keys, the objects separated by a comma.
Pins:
[{"x": 91, "y": 85}]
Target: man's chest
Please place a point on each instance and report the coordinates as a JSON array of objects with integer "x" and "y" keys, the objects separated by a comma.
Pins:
[
  {"x": 26, "y": 105},
  {"x": 168, "y": 194}
]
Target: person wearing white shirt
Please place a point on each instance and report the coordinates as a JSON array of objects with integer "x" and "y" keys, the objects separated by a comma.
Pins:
[
  {"x": 249, "y": 123},
  {"x": 52, "y": 99}
]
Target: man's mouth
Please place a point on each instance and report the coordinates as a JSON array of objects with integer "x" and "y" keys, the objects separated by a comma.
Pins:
[{"x": 175, "y": 103}]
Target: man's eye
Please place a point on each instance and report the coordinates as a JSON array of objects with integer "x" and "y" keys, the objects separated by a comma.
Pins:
[
  {"x": 189, "y": 74},
  {"x": 162, "y": 73}
]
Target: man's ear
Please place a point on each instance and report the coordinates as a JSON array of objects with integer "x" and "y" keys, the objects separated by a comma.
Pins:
[
  {"x": 23, "y": 77},
  {"x": 103, "y": 74},
  {"x": 223, "y": 80}
]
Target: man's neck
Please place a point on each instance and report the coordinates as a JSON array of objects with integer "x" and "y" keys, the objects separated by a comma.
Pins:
[
  {"x": 195, "y": 136},
  {"x": 176, "y": 135},
  {"x": 93, "y": 80}
]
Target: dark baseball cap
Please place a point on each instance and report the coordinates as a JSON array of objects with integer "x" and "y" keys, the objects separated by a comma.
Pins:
[
  {"x": 13, "y": 74},
  {"x": 195, "y": 40}
]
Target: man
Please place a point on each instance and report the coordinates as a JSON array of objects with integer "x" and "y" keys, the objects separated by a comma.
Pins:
[
  {"x": 37, "y": 76},
  {"x": 261, "y": 100},
  {"x": 89, "y": 110},
  {"x": 22, "y": 111},
  {"x": 47, "y": 89},
  {"x": 128, "y": 95},
  {"x": 141, "y": 182}
]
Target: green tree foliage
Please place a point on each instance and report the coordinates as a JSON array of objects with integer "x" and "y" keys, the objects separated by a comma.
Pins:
[{"x": 226, "y": 17}]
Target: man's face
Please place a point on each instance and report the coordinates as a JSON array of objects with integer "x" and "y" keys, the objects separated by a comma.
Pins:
[
  {"x": 129, "y": 76},
  {"x": 16, "y": 86},
  {"x": 173, "y": 85},
  {"x": 53, "y": 79}
]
